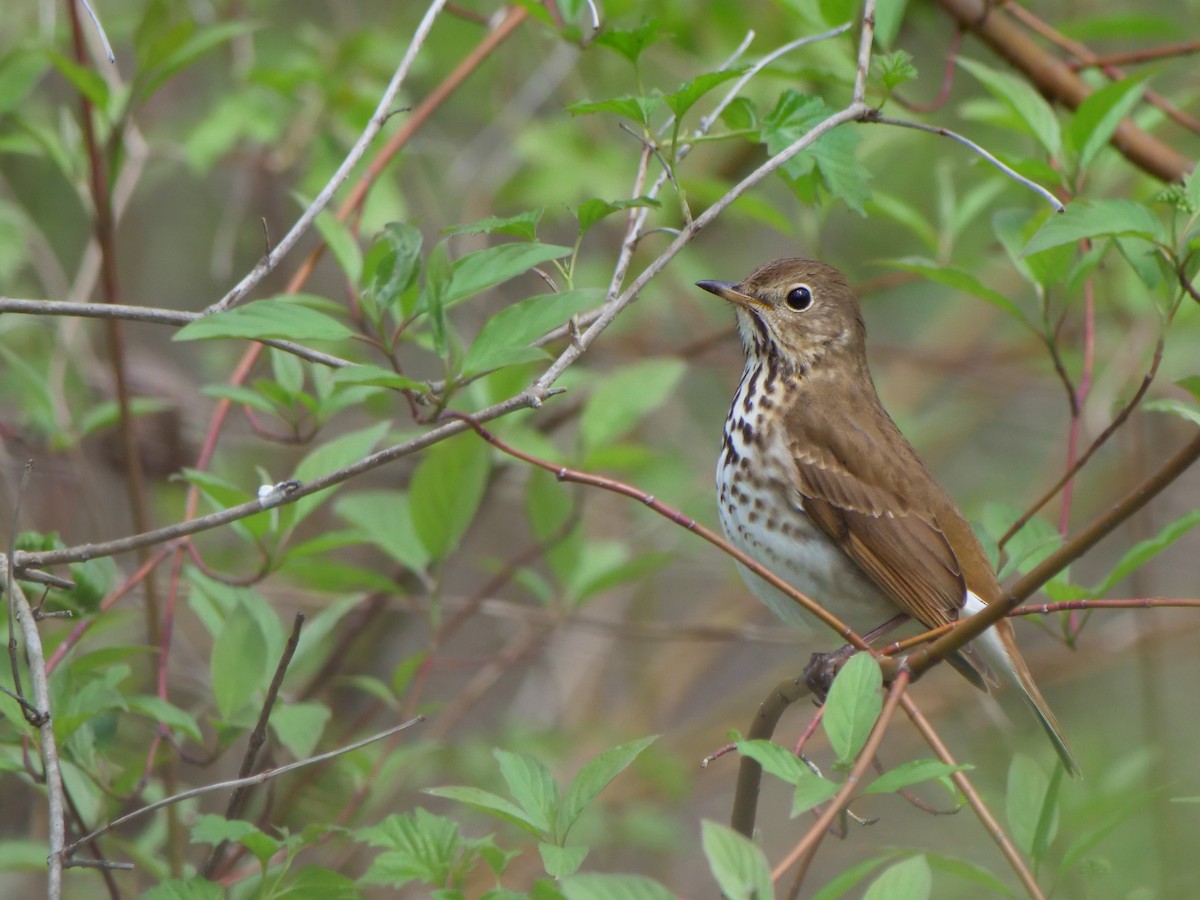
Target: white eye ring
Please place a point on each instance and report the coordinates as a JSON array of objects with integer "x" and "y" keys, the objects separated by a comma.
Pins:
[{"x": 799, "y": 297}]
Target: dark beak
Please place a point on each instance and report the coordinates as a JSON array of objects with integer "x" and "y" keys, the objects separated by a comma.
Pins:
[{"x": 727, "y": 290}]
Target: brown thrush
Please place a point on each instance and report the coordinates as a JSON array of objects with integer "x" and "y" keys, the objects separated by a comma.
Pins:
[{"x": 817, "y": 483}]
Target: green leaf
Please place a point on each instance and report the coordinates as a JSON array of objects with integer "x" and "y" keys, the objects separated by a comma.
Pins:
[
  {"x": 592, "y": 778},
  {"x": 20, "y": 72},
  {"x": 203, "y": 40},
  {"x": 636, "y": 108},
  {"x": 504, "y": 338},
  {"x": 624, "y": 397},
  {"x": 912, "y": 772},
  {"x": 1094, "y": 219},
  {"x": 84, "y": 79},
  {"x": 478, "y": 271},
  {"x": 213, "y": 829},
  {"x": 1143, "y": 551},
  {"x": 391, "y": 265},
  {"x": 907, "y": 880},
  {"x": 365, "y": 373},
  {"x": 383, "y": 518},
  {"x": 841, "y": 885},
  {"x": 893, "y": 69},
  {"x": 604, "y": 886},
  {"x": 888, "y": 16},
  {"x": 287, "y": 318},
  {"x": 560, "y": 862},
  {"x": 959, "y": 280},
  {"x": 299, "y": 726},
  {"x": 737, "y": 863},
  {"x": 1013, "y": 228},
  {"x": 589, "y": 212},
  {"x": 776, "y": 760},
  {"x": 165, "y": 713},
  {"x": 239, "y": 661},
  {"x": 523, "y": 225},
  {"x": 342, "y": 244},
  {"x": 329, "y": 457},
  {"x": 1100, "y": 113},
  {"x": 446, "y": 490},
  {"x": 685, "y": 96},
  {"x": 532, "y": 786},
  {"x": 853, "y": 705},
  {"x": 434, "y": 297},
  {"x": 833, "y": 155},
  {"x": 489, "y": 803},
  {"x": 968, "y": 871},
  {"x": 632, "y": 43},
  {"x": 1175, "y": 407},
  {"x": 1023, "y": 99},
  {"x": 1027, "y": 796}
]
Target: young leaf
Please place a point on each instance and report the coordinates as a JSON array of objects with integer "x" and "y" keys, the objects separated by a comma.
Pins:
[
  {"x": 907, "y": 880},
  {"x": 489, "y": 803},
  {"x": 636, "y": 108},
  {"x": 737, "y": 863},
  {"x": 912, "y": 772},
  {"x": 383, "y": 518},
  {"x": 1093, "y": 219},
  {"x": 853, "y": 705},
  {"x": 1175, "y": 407},
  {"x": 504, "y": 338},
  {"x": 1026, "y": 798},
  {"x": 1143, "y": 551},
  {"x": 484, "y": 268},
  {"x": 1023, "y": 99},
  {"x": 589, "y": 212},
  {"x": 685, "y": 96},
  {"x": 624, "y": 397},
  {"x": 435, "y": 294},
  {"x": 329, "y": 457},
  {"x": 1100, "y": 113},
  {"x": 560, "y": 862},
  {"x": 365, "y": 373},
  {"x": 532, "y": 786},
  {"x": 239, "y": 662},
  {"x": 960, "y": 280},
  {"x": 841, "y": 885},
  {"x": 776, "y": 760},
  {"x": 446, "y": 490},
  {"x": 523, "y": 225},
  {"x": 592, "y": 778},
  {"x": 968, "y": 871},
  {"x": 391, "y": 265},
  {"x": 289, "y": 318},
  {"x": 632, "y": 43},
  {"x": 299, "y": 726}
]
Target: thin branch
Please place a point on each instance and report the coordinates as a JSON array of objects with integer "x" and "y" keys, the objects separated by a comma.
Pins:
[
  {"x": 919, "y": 661},
  {"x": 258, "y": 737},
  {"x": 108, "y": 50},
  {"x": 970, "y": 144},
  {"x": 40, "y": 688},
  {"x": 382, "y": 113},
  {"x": 575, "y": 476},
  {"x": 1109, "y": 431},
  {"x": 963, "y": 783},
  {"x": 864, "y": 51},
  {"x": 845, "y": 794},
  {"x": 9, "y": 582},
  {"x": 260, "y": 778},
  {"x": 154, "y": 316},
  {"x": 1149, "y": 54}
]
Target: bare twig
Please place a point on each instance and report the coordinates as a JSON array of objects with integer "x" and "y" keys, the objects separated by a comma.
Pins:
[
  {"x": 154, "y": 316},
  {"x": 382, "y": 112},
  {"x": 40, "y": 689},
  {"x": 259, "y": 778},
  {"x": 963, "y": 783},
  {"x": 967, "y": 142},
  {"x": 864, "y": 51},
  {"x": 812, "y": 839},
  {"x": 258, "y": 737}
]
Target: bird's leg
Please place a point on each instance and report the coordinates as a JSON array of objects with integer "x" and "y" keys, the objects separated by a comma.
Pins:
[{"x": 822, "y": 667}]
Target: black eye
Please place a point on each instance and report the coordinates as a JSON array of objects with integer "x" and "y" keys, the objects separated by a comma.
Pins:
[{"x": 799, "y": 298}]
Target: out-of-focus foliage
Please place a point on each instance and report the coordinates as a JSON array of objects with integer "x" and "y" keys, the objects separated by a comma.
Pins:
[{"x": 544, "y": 629}]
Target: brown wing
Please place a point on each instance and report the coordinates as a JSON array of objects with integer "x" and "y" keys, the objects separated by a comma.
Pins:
[{"x": 862, "y": 483}]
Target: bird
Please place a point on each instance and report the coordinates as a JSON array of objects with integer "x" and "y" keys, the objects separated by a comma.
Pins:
[{"x": 816, "y": 482}]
